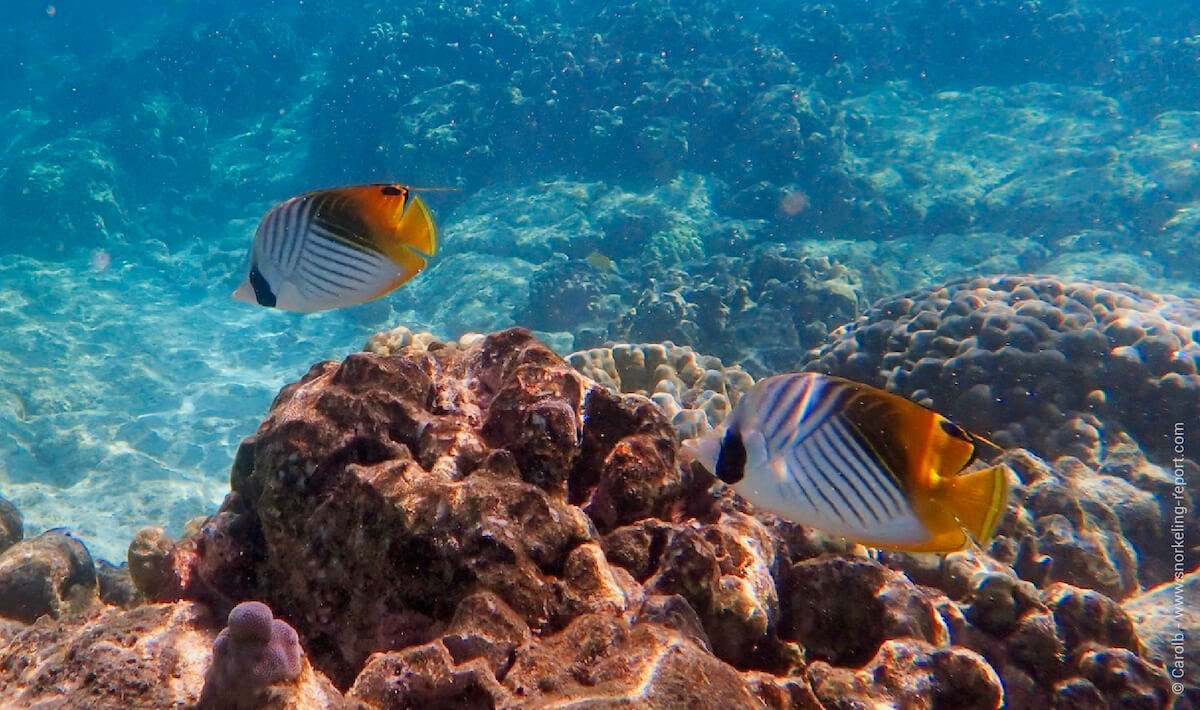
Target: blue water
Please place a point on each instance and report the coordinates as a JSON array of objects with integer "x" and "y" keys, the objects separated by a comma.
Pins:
[{"x": 912, "y": 141}]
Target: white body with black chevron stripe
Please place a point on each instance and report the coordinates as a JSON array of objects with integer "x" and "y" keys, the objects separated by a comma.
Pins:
[
  {"x": 303, "y": 267},
  {"x": 802, "y": 460}
]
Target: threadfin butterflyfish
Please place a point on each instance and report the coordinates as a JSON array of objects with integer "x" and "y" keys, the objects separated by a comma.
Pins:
[
  {"x": 858, "y": 462},
  {"x": 338, "y": 247}
]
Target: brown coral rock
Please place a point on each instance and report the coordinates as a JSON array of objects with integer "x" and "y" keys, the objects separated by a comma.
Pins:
[
  {"x": 842, "y": 609},
  {"x": 485, "y": 627},
  {"x": 49, "y": 575},
  {"x": 446, "y": 471},
  {"x": 724, "y": 570},
  {"x": 911, "y": 673},
  {"x": 601, "y": 661},
  {"x": 427, "y": 677},
  {"x": 149, "y": 657},
  {"x": 637, "y": 477}
]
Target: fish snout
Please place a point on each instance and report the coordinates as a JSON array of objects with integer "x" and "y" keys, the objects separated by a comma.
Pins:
[
  {"x": 245, "y": 293},
  {"x": 703, "y": 449}
]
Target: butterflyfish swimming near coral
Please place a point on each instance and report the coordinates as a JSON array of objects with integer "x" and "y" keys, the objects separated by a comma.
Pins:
[
  {"x": 858, "y": 462},
  {"x": 338, "y": 247}
]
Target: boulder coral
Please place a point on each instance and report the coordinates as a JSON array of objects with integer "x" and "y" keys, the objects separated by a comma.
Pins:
[
  {"x": 1059, "y": 367},
  {"x": 695, "y": 391}
]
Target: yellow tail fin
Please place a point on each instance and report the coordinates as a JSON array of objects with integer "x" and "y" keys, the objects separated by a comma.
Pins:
[
  {"x": 979, "y": 499},
  {"x": 409, "y": 241},
  {"x": 416, "y": 228}
]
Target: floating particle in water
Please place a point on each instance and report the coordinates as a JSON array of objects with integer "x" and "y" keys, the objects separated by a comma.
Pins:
[
  {"x": 51, "y": 11},
  {"x": 101, "y": 260}
]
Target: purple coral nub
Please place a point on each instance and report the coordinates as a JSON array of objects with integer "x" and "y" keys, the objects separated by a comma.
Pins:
[{"x": 253, "y": 652}]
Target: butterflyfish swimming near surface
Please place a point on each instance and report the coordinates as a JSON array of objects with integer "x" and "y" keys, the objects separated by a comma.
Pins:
[
  {"x": 338, "y": 247},
  {"x": 858, "y": 462}
]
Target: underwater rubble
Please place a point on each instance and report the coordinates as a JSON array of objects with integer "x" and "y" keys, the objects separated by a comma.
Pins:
[{"x": 482, "y": 523}]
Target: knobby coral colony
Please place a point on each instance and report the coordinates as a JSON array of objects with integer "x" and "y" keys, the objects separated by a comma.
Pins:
[{"x": 480, "y": 524}]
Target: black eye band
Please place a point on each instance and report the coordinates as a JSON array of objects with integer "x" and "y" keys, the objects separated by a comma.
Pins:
[
  {"x": 958, "y": 432},
  {"x": 731, "y": 459},
  {"x": 262, "y": 289},
  {"x": 954, "y": 430}
]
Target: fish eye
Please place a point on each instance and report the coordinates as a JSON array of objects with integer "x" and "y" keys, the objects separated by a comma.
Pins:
[{"x": 731, "y": 459}]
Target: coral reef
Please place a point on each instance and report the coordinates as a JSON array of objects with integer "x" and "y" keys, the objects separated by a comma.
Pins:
[
  {"x": 479, "y": 524},
  {"x": 472, "y": 521},
  {"x": 664, "y": 222},
  {"x": 604, "y": 91},
  {"x": 759, "y": 308},
  {"x": 71, "y": 181},
  {"x": 657, "y": 136}
]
